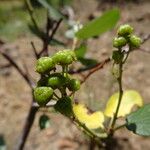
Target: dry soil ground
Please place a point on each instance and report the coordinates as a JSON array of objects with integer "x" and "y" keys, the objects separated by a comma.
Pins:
[{"x": 15, "y": 95}]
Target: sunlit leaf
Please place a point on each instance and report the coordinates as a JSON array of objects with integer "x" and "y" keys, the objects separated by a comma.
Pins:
[
  {"x": 92, "y": 120},
  {"x": 139, "y": 121},
  {"x": 129, "y": 99},
  {"x": 99, "y": 25}
]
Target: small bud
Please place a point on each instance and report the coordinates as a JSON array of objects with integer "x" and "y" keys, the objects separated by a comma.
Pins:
[
  {"x": 64, "y": 57},
  {"x": 125, "y": 30},
  {"x": 135, "y": 41},
  {"x": 44, "y": 65},
  {"x": 74, "y": 85},
  {"x": 43, "y": 95},
  {"x": 117, "y": 56},
  {"x": 119, "y": 42}
]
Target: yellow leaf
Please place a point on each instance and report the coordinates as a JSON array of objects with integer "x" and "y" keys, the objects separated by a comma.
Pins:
[
  {"x": 91, "y": 120},
  {"x": 129, "y": 99}
]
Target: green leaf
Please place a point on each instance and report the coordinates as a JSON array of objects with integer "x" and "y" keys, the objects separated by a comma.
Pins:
[
  {"x": 36, "y": 32},
  {"x": 64, "y": 106},
  {"x": 55, "y": 42},
  {"x": 88, "y": 62},
  {"x": 139, "y": 121},
  {"x": 99, "y": 25},
  {"x": 44, "y": 122},
  {"x": 81, "y": 51},
  {"x": 54, "y": 13},
  {"x": 130, "y": 98},
  {"x": 13, "y": 22}
]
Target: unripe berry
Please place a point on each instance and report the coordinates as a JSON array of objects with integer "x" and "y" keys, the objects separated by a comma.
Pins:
[
  {"x": 64, "y": 57},
  {"x": 64, "y": 106},
  {"x": 44, "y": 65},
  {"x": 42, "y": 95},
  {"x": 119, "y": 42},
  {"x": 135, "y": 41},
  {"x": 56, "y": 80},
  {"x": 74, "y": 85},
  {"x": 125, "y": 30}
]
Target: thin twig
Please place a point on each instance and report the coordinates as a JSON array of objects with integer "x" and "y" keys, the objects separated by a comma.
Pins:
[
  {"x": 144, "y": 50},
  {"x": 93, "y": 70},
  {"x": 21, "y": 72},
  {"x": 119, "y": 127},
  {"x": 81, "y": 70},
  {"x": 145, "y": 38},
  {"x": 30, "y": 10},
  {"x": 55, "y": 29},
  {"x": 49, "y": 26},
  {"x": 50, "y": 38},
  {"x": 34, "y": 50},
  {"x": 27, "y": 127},
  {"x": 5, "y": 66}
]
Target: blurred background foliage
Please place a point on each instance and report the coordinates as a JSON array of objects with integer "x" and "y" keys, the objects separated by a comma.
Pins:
[{"x": 15, "y": 19}]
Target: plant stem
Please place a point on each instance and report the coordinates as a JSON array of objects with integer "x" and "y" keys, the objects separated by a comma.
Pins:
[
  {"x": 127, "y": 55},
  {"x": 27, "y": 127},
  {"x": 120, "y": 95},
  {"x": 87, "y": 130},
  {"x": 121, "y": 126}
]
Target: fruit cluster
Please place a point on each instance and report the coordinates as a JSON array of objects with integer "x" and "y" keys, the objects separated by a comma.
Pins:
[
  {"x": 125, "y": 37},
  {"x": 51, "y": 80}
]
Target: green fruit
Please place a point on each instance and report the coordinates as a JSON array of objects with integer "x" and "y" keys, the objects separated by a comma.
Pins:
[
  {"x": 64, "y": 57},
  {"x": 125, "y": 30},
  {"x": 64, "y": 106},
  {"x": 44, "y": 65},
  {"x": 135, "y": 41},
  {"x": 56, "y": 80},
  {"x": 119, "y": 42},
  {"x": 42, "y": 95},
  {"x": 74, "y": 85}
]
